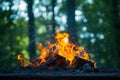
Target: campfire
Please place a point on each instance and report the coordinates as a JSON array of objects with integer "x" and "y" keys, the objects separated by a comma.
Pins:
[
  {"x": 62, "y": 53},
  {"x": 62, "y": 60}
]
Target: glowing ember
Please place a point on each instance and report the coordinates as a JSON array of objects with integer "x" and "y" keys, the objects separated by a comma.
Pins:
[{"x": 62, "y": 47}]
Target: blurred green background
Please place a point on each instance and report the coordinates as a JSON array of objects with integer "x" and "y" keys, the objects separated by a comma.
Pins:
[{"x": 95, "y": 24}]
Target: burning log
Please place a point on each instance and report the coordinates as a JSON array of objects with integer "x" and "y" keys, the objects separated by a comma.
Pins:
[
  {"x": 57, "y": 61},
  {"x": 35, "y": 62},
  {"x": 78, "y": 63}
]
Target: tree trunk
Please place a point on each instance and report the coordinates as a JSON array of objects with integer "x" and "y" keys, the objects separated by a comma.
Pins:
[
  {"x": 53, "y": 21},
  {"x": 116, "y": 24},
  {"x": 31, "y": 30},
  {"x": 72, "y": 26}
]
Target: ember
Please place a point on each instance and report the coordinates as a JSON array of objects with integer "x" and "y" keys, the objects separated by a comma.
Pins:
[{"x": 62, "y": 53}]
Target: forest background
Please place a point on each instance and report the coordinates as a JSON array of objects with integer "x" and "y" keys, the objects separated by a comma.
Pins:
[{"x": 94, "y": 24}]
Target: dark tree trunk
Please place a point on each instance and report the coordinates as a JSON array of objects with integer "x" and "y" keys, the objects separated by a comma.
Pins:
[
  {"x": 53, "y": 21},
  {"x": 116, "y": 24},
  {"x": 72, "y": 26},
  {"x": 31, "y": 32}
]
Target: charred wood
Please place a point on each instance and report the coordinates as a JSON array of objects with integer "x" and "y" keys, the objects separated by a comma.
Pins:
[{"x": 81, "y": 63}]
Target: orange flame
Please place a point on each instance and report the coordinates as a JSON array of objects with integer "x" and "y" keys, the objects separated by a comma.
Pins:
[
  {"x": 22, "y": 60},
  {"x": 62, "y": 47}
]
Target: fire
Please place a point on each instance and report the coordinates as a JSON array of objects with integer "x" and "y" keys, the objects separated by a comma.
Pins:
[
  {"x": 22, "y": 60},
  {"x": 62, "y": 47}
]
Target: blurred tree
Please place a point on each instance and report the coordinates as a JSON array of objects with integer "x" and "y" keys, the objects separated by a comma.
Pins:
[
  {"x": 53, "y": 20},
  {"x": 6, "y": 38},
  {"x": 98, "y": 20},
  {"x": 72, "y": 26},
  {"x": 116, "y": 24},
  {"x": 31, "y": 28},
  {"x": 13, "y": 38}
]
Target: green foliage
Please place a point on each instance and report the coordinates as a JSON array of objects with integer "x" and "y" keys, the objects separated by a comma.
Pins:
[
  {"x": 98, "y": 18},
  {"x": 13, "y": 37},
  {"x": 14, "y": 42}
]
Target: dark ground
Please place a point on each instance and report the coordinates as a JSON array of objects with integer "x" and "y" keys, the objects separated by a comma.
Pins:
[{"x": 59, "y": 73}]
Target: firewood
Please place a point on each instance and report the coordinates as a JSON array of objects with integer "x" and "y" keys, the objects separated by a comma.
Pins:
[
  {"x": 57, "y": 61},
  {"x": 79, "y": 62},
  {"x": 51, "y": 55},
  {"x": 35, "y": 62}
]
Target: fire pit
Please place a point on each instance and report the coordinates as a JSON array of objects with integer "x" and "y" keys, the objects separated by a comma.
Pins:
[{"x": 61, "y": 60}]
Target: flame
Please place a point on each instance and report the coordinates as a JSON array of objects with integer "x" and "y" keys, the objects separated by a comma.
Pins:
[
  {"x": 62, "y": 47},
  {"x": 22, "y": 60}
]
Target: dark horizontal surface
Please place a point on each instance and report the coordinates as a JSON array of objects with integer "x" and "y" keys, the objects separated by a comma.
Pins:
[
  {"x": 57, "y": 76},
  {"x": 59, "y": 73}
]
